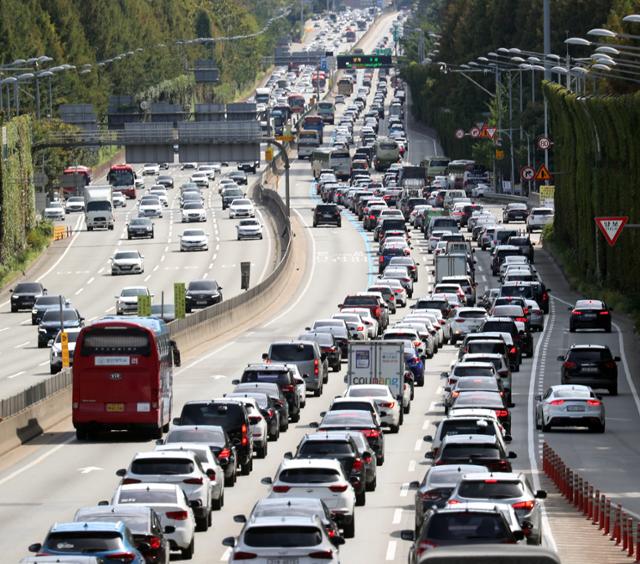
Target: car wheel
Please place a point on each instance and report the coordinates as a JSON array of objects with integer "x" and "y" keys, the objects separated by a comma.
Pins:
[
  {"x": 129, "y": 237},
  {"x": 13, "y": 309},
  {"x": 608, "y": 329},
  {"x": 82, "y": 433},
  {"x": 317, "y": 393},
  {"x": 371, "y": 487},
  {"x": 572, "y": 329},
  {"x": 361, "y": 498},
  {"x": 263, "y": 450},
  {"x": 202, "y": 524},
  {"x": 407, "y": 408},
  {"x": 295, "y": 418},
  {"x": 538, "y": 426},
  {"x": 545, "y": 426},
  {"x": 229, "y": 481},
  {"x": 613, "y": 390},
  {"x": 394, "y": 429},
  {"x": 187, "y": 553},
  {"x": 350, "y": 529}
]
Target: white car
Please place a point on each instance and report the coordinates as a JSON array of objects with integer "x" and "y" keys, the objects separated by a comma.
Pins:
[
  {"x": 194, "y": 240},
  {"x": 355, "y": 325},
  {"x": 172, "y": 467},
  {"x": 161, "y": 194},
  {"x": 321, "y": 479},
  {"x": 241, "y": 207},
  {"x": 74, "y": 204},
  {"x": 480, "y": 190},
  {"x": 257, "y": 424},
  {"x": 466, "y": 320},
  {"x": 200, "y": 178},
  {"x": 149, "y": 206},
  {"x": 54, "y": 211},
  {"x": 151, "y": 168},
  {"x": 388, "y": 406},
  {"x": 171, "y": 505},
  {"x": 208, "y": 460},
  {"x": 193, "y": 211},
  {"x": 370, "y": 322},
  {"x": 570, "y": 405},
  {"x": 226, "y": 183},
  {"x": 249, "y": 229},
  {"x": 210, "y": 170},
  {"x": 127, "y": 262},
  {"x": 118, "y": 199},
  {"x": 127, "y": 301},
  {"x": 538, "y": 218}
]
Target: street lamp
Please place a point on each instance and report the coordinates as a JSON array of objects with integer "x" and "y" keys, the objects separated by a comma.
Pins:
[
  {"x": 602, "y": 32},
  {"x": 632, "y": 18}
]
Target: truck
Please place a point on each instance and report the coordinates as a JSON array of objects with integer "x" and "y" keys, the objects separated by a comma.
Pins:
[
  {"x": 377, "y": 362},
  {"x": 451, "y": 265},
  {"x": 411, "y": 176},
  {"x": 98, "y": 207},
  {"x": 345, "y": 86}
]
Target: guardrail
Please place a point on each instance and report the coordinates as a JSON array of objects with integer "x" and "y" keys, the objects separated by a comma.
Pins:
[
  {"x": 33, "y": 394},
  {"x": 621, "y": 526}
]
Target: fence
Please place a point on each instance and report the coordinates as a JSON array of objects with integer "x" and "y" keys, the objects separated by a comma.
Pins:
[
  {"x": 619, "y": 525},
  {"x": 34, "y": 394}
]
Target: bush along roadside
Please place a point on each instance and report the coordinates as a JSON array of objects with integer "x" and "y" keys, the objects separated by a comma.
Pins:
[{"x": 38, "y": 239}]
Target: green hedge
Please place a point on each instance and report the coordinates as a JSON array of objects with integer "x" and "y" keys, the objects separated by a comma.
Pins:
[
  {"x": 597, "y": 156},
  {"x": 17, "y": 196}
]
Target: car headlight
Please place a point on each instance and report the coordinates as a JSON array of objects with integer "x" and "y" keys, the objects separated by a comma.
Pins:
[
  {"x": 42, "y": 330},
  {"x": 34, "y": 311}
]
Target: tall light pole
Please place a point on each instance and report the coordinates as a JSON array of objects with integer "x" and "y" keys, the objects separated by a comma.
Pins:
[{"x": 547, "y": 35}]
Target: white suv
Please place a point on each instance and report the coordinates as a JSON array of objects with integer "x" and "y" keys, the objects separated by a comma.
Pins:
[
  {"x": 388, "y": 406},
  {"x": 172, "y": 467},
  {"x": 321, "y": 479},
  {"x": 538, "y": 218}
]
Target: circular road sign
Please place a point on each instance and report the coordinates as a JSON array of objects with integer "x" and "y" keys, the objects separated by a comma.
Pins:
[
  {"x": 475, "y": 132},
  {"x": 459, "y": 133},
  {"x": 527, "y": 173},
  {"x": 544, "y": 143}
]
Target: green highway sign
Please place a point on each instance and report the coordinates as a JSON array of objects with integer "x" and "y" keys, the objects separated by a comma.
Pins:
[
  {"x": 364, "y": 61},
  {"x": 383, "y": 51}
]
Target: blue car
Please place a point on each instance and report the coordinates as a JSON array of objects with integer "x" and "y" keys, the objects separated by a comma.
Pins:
[
  {"x": 99, "y": 539},
  {"x": 415, "y": 365}
]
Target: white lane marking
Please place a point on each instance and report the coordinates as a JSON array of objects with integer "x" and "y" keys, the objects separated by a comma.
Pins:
[
  {"x": 309, "y": 280},
  {"x": 418, "y": 444},
  {"x": 391, "y": 550},
  {"x": 404, "y": 490},
  {"x": 79, "y": 291},
  {"x": 4, "y": 329},
  {"x": 112, "y": 308},
  {"x": 43, "y": 363},
  {"x": 26, "y": 322},
  {"x": 397, "y": 516},
  {"x": 91, "y": 280},
  {"x": 166, "y": 249},
  {"x": 426, "y": 424},
  {"x": 15, "y": 376},
  {"x": 101, "y": 270},
  {"x": 162, "y": 258},
  {"x": 146, "y": 278},
  {"x": 35, "y": 462},
  {"x": 412, "y": 466},
  {"x": 21, "y": 345},
  {"x": 156, "y": 267}
]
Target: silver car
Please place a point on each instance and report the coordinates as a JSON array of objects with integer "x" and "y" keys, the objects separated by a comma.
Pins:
[
  {"x": 467, "y": 320},
  {"x": 504, "y": 487},
  {"x": 569, "y": 405}
]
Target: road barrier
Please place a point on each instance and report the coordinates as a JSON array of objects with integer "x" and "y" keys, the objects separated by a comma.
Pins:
[
  {"x": 62, "y": 232},
  {"x": 619, "y": 525}
]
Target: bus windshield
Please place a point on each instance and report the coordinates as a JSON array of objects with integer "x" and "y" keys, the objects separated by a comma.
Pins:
[{"x": 121, "y": 176}]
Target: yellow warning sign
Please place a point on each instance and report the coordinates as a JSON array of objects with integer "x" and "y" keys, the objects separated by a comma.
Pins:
[{"x": 543, "y": 174}]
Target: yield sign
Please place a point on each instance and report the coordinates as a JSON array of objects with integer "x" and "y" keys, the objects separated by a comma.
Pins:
[
  {"x": 491, "y": 131},
  {"x": 543, "y": 173},
  {"x": 611, "y": 227}
]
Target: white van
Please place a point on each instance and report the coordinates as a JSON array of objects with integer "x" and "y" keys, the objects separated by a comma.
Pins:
[{"x": 451, "y": 195}]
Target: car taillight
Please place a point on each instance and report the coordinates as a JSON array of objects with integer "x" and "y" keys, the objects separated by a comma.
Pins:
[
  {"x": 357, "y": 465},
  {"x": 594, "y": 402},
  {"x": 381, "y": 259},
  {"x": 339, "y": 489},
  {"x": 376, "y": 311},
  {"x": 177, "y": 515},
  {"x": 281, "y": 489},
  {"x": 121, "y": 556},
  {"x": 195, "y": 481},
  {"x": 361, "y": 327},
  {"x": 241, "y": 555},
  {"x": 316, "y": 366},
  {"x": 254, "y": 420},
  {"x": 417, "y": 343},
  {"x": 545, "y": 296},
  {"x": 604, "y": 313},
  {"x": 569, "y": 364},
  {"x": 154, "y": 542},
  {"x": 528, "y": 505},
  {"x": 513, "y": 350},
  {"x": 388, "y": 404},
  {"x": 288, "y": 388},
  {"x": 453, "y": 502},
  {"x": 371, "y": 433},
  {"x": 502, "y": 412},
  {"x": 245, "y": 440},
  {"x": 130, "y": 481},
  {"x": 556, "y": 402},
  {"x": 424, "y": 546},
  {"x": 521, "y": 319},
  {"x": 224, "y": 453},
  {"x": 372, "y": 217},
  {"x": 322, "y": 555}
]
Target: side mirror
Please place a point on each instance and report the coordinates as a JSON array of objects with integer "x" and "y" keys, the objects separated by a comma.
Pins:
[
  {"x": 561, "y": 358},
  {"x": 337, "y": 541},
  {"x": 266, "y": 481},
  {"x": 508, "y": 438},
  {"x": 50, "y": 343},
  {"x": 427, "y": 438},
  {"x": 541, "y": 494},
  {"x": 159, "y": 441},
  {"x": 229, "y": 541},
  {"x": 518, "y": 535},
  {"x": 447, "y": 388},
  {"x": 511, "y": 404},
  {"x": 211, "y": 473},
  {"x": 616, "y": 358},
  {"x": 195, "y": 503},
  {"x": 323, "y": 413},
  {"x": 538, "y": 397},
  {"x": 288, "y": 455},
  {"x": 512, "y": 455},
  {"x": 235, "y": 382},
  {"x": 444, "y": 374},
  {"x": 408, "y": 535},
  {"x": 35, "y": 547},
  {"x": 314, "y": 424},
  {"x": 414, "y": 485},
  {"x": 122, "y": 472},
  {"x": 570, "y": 308},
  {"x": 239, "y": 519},
  {"x": 340, "y": 305},
  {"x": 428, "y": 455},
  {"x": 103, "y": 502}
]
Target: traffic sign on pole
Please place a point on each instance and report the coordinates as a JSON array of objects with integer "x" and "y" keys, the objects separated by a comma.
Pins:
[
  {"x": 543, "y": 143},
  {"x": 484, "y": 132},
  {"x": 64, "y": 348},
  {"x": 527, "y": 173},
  {"x": 491, "y": 131},
  {"x": 475, "y": 132},
  {"x": 611, "y": 227},
  {"x": 459, "y": 133},
  {"x": 543, "y": 174}
]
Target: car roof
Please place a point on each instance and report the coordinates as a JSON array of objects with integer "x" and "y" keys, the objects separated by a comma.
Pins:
[
  {"x": 75, "y": 526},
  {"x": 586, "y": 346},
  {"x": 469, "y": 439},
  {"x": 330, "y": 463},
  {"x": 284, "y": 520},
  {"x": 500, "y": 476},
  {"x": 164, "y": 454}
]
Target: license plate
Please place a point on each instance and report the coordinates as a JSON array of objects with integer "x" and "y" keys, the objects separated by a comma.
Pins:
[
  {"x": 202, "y": 302},
  {"x": 575, "y": 408},
  {"x": 282, "y": 561},
  {"x": 589, "y": 316},
  {"x": 589, "y": 369},
  {"x": 115, "y": 407}
]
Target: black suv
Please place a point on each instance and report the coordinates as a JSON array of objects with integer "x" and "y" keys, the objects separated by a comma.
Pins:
[
  {"x": 140, "y": 227},
  {"x": 248, "y": 166},
  {"x": 24, "y": 295},
  {"x": 275, "y": 374},
  {"x": 590, "y": 314},
  {"x": 232, "y": 416},
  {"x": 524, "y": 242},
  {"x": 522, "y": 339},
  {"x": 590, "y": 365},
  {"x": 327, "y": 214},
  {"x": 230, "y": 195},
  {"x": 202, "y": 293}
]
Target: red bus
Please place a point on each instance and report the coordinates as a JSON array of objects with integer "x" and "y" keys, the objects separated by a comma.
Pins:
[
  {"x": 123, "y": 377},
  {"x": 296, "y": 103},
  {"x": 74, "y": 179},
  {"x": 122, "y": 178}
]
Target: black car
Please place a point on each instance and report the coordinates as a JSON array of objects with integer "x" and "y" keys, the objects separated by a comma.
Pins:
[
  {"x": 268, "y": 408},
  {"x": 327, "y": 214},
  {"x": 165, "y": 180},
  {"x": 51, "y": 323},
  {"x": 522, "y": 339},
  {"x": 535, "y": 291},
  {"x": 515, "y": 212},
  {"x": 232, "y": 416},
  {"x": 500, "y": 253},
  {"x": 231, "y": 194},
  {"x": 328, "y": 345},
  {"x": 277, "y": 401},
  {"x": 45, "y": 303},
  {"x": 590, "y": 314},
  {"x": 590, "y": 365},
  {"x": 24, "y": 295},
  {"x": 341, "y": 448},
  {"x": 239, "y": 176},
  {"x": 525, "y": 244},
  {"x": 483, "y": 450},
  {"x": 249, "y": 166},
  {"x": 140, "y": 227},
  {"x": 202, "y": 293},
  {"x": 279, "y": 374}
]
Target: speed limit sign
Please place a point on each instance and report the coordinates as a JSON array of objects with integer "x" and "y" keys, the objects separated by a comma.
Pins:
[
  {"x": 544, "y": 143},
  {"x": 459, "y": 133},
  {"x": 527, "y": 173}
]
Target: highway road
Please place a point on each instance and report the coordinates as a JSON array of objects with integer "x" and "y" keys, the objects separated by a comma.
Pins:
[
  {"x": 48, "y": 479},
  {"x": 79, "y": 268}
]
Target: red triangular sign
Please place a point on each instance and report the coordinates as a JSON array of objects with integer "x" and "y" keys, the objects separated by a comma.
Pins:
[
  {"x": 611, "y": 227},
  {"x": 543, "y": 173},
  {"x": 491, "y": 131},
  {"x": 484, "y": 132}
]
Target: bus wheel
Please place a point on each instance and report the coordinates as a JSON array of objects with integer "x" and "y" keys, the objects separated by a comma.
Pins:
[
  {"x": 82, "y": 433},
  {"x": 156, "y": 432}
]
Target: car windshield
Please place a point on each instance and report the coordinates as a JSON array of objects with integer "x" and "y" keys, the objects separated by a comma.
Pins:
[
  {"x": 461, "y": 526},
  {"x": 193, "y": 233},
  {"x": 49, "y": 300},
  {"x": 309, "y": 475},
  {"x": 291, "y": 352},
  {"x": 140, "y": 221},
  {"x": 166, "y": 466},
  {"x": 192, "y": 206},
  {"x": 241, "y": 202},
  {"x": 147, "y": 496},
  {"x": 211, "y": 436},
  {"x": 130, "y": 292},
  {"x": 54, "y": 315},
  {"x": 249, "y": 222},
  {"x": 137, "y": 524},
  {"x": 490, "y": 489},
  {"x": 477, "y": 384},
  {"x": 310, "y": 449},
  {"x": 323, "y": 339},
  {"x": 499, "y": 326},
  {"x": 347, "y": 418},
  {"x": 221, "y": 414},
  {"x": 590, "y": 355},
  {"x": 457, "y": 426},
  {"x": 462, "y": 451},
  {"x": 27, "y": 288},
  {"x": 368, "y": 392},
  {"x": 123, "y": 255},
  {"x": 472, "y": 314},
  {"x": 203, "y": 285},
  {"x": 269, "y": 376},
  {"x": 470, "y": 399},
  {"x": 572, "y": 393},
  {"x": 472, "y": 371},
  {"x": 71, "y": 335},
  {"x": 517, "y": 290},
  {"x": 282, "y": 537},
  {"x": 486, "y": 347},
  {"x": 83, "y": 542}
]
